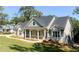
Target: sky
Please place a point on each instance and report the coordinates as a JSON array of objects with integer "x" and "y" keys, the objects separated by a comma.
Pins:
[{"x": 46, "y": 10}]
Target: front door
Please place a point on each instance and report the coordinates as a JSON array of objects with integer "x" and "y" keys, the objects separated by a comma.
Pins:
[
  {"x": 27, "y": 33},
  {"x": 34, "y": 33}
]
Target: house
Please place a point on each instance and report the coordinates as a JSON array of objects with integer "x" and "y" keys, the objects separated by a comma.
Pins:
[
  {"x": 9, "y": 28},
  {"x": 47, "y": 27},
  {"x": 1, "y": 28}
]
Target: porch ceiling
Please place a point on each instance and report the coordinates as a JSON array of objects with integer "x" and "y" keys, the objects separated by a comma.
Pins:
[{"x": 35, "y": 28}]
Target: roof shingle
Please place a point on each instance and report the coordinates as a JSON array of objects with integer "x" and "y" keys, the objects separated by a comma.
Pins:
[
  {"x": 45, "y": 20},
  {"x": 60, "y": 22}
]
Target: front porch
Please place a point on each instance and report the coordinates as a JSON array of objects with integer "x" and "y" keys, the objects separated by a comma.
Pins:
[
  {"x": 42, "y": 34},
  {"x": 35, "y": 34}
]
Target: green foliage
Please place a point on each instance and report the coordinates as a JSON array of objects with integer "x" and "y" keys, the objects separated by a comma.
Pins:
[
  {"x": 3, "y": 17},
  {"x": 28, "y": 12},
  {"x": 76, "y": 10},
  {"x": 15, "y": 20},
  {"x": 1, "y": 8},
  {"x": 25, "y": 14},
  {"x": 75, "y": 25}
]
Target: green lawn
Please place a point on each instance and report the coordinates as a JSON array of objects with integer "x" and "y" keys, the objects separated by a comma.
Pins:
[{"x": 12, "y": 45}]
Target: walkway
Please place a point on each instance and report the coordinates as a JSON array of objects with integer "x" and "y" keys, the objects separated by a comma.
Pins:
[{"x": 9, "y": 36}]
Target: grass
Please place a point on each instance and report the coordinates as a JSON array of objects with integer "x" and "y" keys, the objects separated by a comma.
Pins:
[
  {"x": 30, "y": 39},
  {"x": 12, "y": 45},
  {"x": 17, "y": 37},
  {"x": 6, "y": 44}
]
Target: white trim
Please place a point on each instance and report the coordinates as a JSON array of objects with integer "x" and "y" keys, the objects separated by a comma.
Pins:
[
  {"x": 29, "y": 33},
  {"x": 33, "y": 21},
  {"x": 51, "y": 23},
  {"x": 48, "y": 34},
  {"x": 37, "y": 34},
  {"x": 66, "y": 27},
  {"x": 29, "y": 21},
  {"x": 25, "y": 33},
  {"x": 44, "y": 34}
]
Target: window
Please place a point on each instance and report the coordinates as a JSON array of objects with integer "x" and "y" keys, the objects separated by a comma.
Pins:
[
  {"x": 62, "y": 32},
  {"x": 33, "y": 23},
  {"x": 27, "y": 33},
  {"x": 50, "y": 32},
  {"x": 56, "y": 34}
]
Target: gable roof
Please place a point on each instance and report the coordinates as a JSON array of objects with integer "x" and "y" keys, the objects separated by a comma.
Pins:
[
  {"x": 60, "y": 22},
  {"x": 21, "y": 25},
  {"x": 44, "y": 21}
]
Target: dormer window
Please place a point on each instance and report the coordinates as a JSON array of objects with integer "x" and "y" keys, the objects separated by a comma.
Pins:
[{"x": 33, "y": 23}]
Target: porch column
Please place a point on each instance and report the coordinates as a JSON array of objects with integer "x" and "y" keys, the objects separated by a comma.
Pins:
[
  {"x": 24, "y": 33},
  {"x": 29, "y": 33},
  {"x": 57, "y": 35},
  {"x": 44, "y": 34},
  {"x": 37, "y": 34},
  {"x": 60, "y": 33},
  {"x": 52, "y": 33},
  {"x": 47, "y": 34}
]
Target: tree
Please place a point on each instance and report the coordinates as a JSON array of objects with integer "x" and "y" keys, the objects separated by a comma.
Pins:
[
  {"x": 3, "y": 19},
  {"x": 76, "y": 10},
  {"x": 75, "y": 25},
  {"x": 14, "y": 20},
  {"x": 27, "y": 12},
  {"x": 3, "y": 16}
]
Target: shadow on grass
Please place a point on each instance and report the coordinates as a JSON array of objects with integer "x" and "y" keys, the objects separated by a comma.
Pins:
[
  {"x": 76, "y": 49},
  {"x": 46, "y": 47},
  {"x": 40, "y": 47},
  {"x": 18, "y": 48}
]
